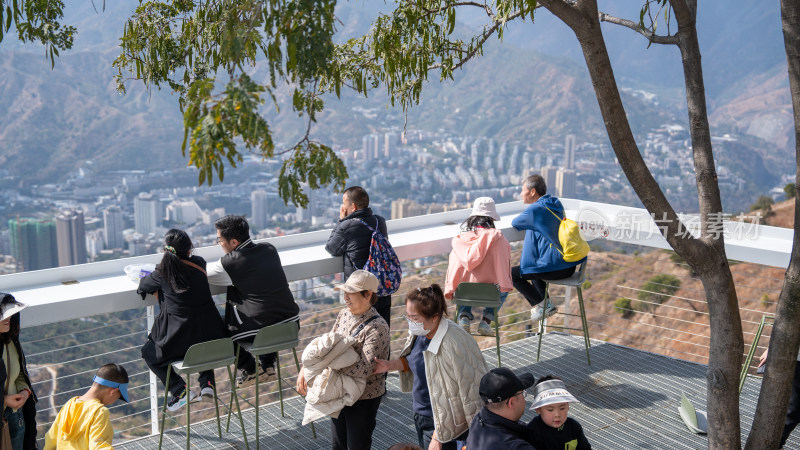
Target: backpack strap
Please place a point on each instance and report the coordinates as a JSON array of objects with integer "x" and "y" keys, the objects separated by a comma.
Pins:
[
  {"x": 559, "y": 218},
  {"x": 369, "y": 227},
  {"x": 548, "y": 238},
  {"x": 363, "y": 324}
]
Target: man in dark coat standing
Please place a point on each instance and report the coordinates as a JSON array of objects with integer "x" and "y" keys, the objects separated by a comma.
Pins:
[
  {"x": 351, "y": 239},
  {"x": 497, "y": 424},
  {"x": 258, "y": 292}
]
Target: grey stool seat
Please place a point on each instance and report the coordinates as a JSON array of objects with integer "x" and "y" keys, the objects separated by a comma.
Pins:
[
  {"x": 484, "y": 295},
  {"x": 575, "y": 281},
  {"x": 272, "y": 339},
  {"x": 200, "y": 357}
]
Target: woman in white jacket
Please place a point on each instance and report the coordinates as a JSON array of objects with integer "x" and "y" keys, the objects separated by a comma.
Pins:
[
  {"x": 352, "y": 429},
  {"x": 442, "y": 366}
]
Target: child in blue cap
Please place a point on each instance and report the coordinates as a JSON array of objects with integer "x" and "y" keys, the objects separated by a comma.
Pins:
[{"x": 83, "y": 422}]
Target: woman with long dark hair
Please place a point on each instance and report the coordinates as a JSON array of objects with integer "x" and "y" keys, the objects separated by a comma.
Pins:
[
  {"x": 19, "y": 401},
  {"x": 187, "y": 316}
]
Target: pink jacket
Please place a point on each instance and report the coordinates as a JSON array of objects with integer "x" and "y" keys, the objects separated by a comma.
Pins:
[{"x": 482, "y": 256}]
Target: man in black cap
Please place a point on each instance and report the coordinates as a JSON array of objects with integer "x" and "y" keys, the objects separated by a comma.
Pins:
[{"x": 497, "y": 424}]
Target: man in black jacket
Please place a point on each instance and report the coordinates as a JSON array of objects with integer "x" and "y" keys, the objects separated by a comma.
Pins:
[
  {"x": 351, "y": 239},
  {"x": 497, "y": 424},
  {"x": 258, "y": 293}
]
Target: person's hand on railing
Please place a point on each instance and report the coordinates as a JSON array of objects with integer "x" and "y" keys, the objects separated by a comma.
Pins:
[
  {"x": 384, "y": 365},
  {"x": 302, "y": 388},
  {"x": 763, "y": 359}
]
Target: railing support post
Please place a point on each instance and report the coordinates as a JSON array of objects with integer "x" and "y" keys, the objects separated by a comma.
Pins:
[
  {"x": 567, "y": 318},
  {"x": 151, "y": 317}
]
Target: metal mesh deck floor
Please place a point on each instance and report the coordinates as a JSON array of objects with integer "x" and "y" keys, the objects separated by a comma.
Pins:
[{"x": 629, "y": 400}]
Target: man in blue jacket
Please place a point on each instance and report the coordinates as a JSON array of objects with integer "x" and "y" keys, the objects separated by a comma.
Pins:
[
  {"x": 541, "y": 257},
  {"x": 497, "y": 425}
]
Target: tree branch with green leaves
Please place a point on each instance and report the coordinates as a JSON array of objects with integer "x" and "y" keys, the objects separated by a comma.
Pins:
[
  {"x": 189, "y": 45},
  {"x": 37, "y": 21},
  {"x": 418, "y": 37}
]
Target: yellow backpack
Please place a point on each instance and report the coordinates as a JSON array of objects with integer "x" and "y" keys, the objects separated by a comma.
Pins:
[{"x": 569, "y": 236}]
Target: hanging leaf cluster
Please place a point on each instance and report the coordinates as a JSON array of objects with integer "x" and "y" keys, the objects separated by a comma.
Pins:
[
  {"x": 188, "y": 45},
  {"x": 316, "y": 165},
  {"x": 37, "y": 21}
]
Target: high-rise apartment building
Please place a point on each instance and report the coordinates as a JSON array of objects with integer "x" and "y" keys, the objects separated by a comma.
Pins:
[
  {"x": 33, "y": 243},
  {"x": 146, "y": 214},
  {"x": 390, "y": 144},
  {"x": 569, "y": 152},
  {"x": 186, "y": 212},
  {"x": 258, "y": 209},
  {"x": 113, "y": 224},
  {"x": 566, "y": 183},
  {"x": 370, "y": 147},
  {"x": 71, "y": 237},
  {"x": 549, "y": 175}
]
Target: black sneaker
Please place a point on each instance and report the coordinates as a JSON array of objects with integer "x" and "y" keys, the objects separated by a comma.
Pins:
[{"x": 245, "y": 378}]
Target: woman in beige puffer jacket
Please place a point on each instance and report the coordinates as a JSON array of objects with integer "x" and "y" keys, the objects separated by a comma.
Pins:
[{"x": 441, "y": 365}]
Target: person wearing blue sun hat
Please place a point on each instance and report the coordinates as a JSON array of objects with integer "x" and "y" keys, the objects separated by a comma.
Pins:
[{"x": 84, "y": 421}]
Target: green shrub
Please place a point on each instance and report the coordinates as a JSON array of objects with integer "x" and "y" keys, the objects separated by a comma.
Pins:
[
  {"x": 586, "y": 284},
  {"x": 623, "y": 306},
  {"x": 765, "y": 300},
  {"x": 763, "y": 203},
  {"x": 659, "y": 287}
]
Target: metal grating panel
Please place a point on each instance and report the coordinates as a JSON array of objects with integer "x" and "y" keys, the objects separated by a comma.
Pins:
[{"x": 629, "y": 400}]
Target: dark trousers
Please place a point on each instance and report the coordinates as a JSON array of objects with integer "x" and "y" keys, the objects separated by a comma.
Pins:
[
  {"x": 384, "y": 308},
  {"x": 352, "y": 430},
  {"x": 248, "y": 363},
  {"x": 425, "y": 428},
  {"x": 793, "y": 415},
  {"x": 158, "y": 367},
  {"x": 534, "y": 290}
]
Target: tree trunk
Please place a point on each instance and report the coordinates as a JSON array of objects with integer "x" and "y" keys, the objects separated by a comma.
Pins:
[
  {"x": 725, "y": 354},
  {"x": 726, "y": 343},
  {"x": 706, "y": 256},
  {"x": 785, "y": 339}
]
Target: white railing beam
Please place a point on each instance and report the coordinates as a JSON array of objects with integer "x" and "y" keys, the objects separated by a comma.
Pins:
[{"x": 73, "y": 292}]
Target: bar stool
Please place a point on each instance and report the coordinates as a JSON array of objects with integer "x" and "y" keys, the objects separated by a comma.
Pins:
[
  {"x": 200, "y": 357},
  {"x": 480, "y": 294},
  {"x": 271, "y": 339},
  {"x": 576, "y": 281}
]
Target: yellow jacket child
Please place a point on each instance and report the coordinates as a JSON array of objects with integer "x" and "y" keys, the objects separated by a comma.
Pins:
[{"x": 83, "y": 423}]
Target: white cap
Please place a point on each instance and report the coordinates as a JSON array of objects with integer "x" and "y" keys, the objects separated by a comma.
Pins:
[
  {"x": 360, "y": 280},
  {"x": 484, "y": 206},
  {"x": 9, "y": 308}
]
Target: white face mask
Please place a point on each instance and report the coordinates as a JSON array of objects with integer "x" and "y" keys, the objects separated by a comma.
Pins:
[{"x": 416, "y": 328}]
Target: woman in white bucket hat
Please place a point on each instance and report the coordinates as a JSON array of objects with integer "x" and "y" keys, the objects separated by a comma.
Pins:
[{"x": 480, "y": 254}]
